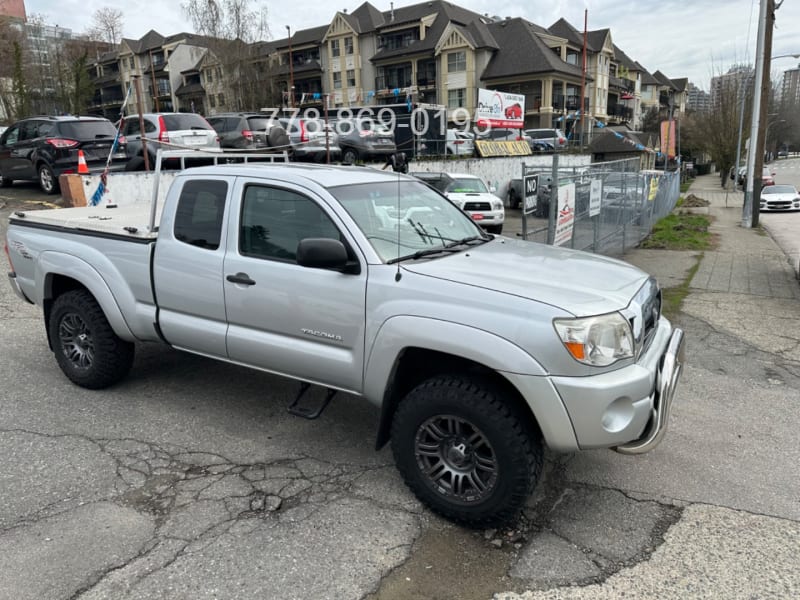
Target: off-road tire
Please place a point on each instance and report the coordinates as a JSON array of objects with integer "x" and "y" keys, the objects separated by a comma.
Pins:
[
  {"x": 481, "y": 422},
  {"x": 5, "y": 181},
  {"x": 47, "y": 179},
  {"x": 88, "y": 351},
  {"x": 496, "y": 229}
]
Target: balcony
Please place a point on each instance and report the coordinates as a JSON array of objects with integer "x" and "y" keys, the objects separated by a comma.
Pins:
[
  {"x": 561, "y": 102},
  {"x": 392, "y": 82},
  {"x": 619, "y": 112},
  {"x": 426, "y": 82}
]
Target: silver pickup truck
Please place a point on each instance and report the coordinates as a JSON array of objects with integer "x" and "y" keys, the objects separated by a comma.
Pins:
[{"x": 477, "y": 349}]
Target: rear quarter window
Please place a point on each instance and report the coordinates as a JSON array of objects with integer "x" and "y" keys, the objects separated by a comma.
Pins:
[
  {"x": 85, "y": 130},
  {"x": 185, "y": 121},
  {"x": 200, "y": 212}
]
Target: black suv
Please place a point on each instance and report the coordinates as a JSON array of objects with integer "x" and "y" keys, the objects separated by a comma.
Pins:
[{"x": 42, "y": 148}]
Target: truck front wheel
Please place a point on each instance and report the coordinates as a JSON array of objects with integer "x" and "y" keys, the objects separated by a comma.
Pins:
[
  {"x": 88, "y": 351},
  {"x": 465, "y": 451}
]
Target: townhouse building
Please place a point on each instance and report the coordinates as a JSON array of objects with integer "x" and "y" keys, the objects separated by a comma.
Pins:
[{"x": 430, "y": 53}]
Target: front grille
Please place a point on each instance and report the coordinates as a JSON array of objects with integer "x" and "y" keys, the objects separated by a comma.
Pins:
[
  {"x": 477, "y": 206},
  {"x": 643, "y": 314}
]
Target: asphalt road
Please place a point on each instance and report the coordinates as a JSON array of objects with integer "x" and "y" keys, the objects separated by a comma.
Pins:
[{"x": 190, "y": 480}]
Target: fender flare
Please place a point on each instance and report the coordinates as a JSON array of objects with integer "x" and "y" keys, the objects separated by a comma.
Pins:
[
  {"x": 49, "y": 264},
  {"x": 407, "y": 331}
]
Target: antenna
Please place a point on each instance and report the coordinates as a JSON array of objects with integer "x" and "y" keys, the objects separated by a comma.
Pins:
[{"x": 398, "y": 275}]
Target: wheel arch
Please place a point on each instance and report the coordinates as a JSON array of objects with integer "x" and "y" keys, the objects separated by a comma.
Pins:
[
  {"x": 74, "y": 274},
  {"x": 415, "y": 365}
]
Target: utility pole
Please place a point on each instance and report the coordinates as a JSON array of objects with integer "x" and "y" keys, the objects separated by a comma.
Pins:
[
  {"x": 143, "y": 137},
  {"x": 291, "y": 69},
  {"x": 753, "y": 154},
  {"x": 762, "y": 117},
  {"x": 583, "y": 79}
]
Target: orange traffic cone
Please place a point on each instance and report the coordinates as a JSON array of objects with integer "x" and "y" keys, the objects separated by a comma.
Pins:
[{"x": 83, "y": 168}]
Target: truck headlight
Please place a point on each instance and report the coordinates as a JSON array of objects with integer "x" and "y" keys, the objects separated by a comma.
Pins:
[
  {"x": 597, "y": 341},
  {"x": 497, "y": 205}
]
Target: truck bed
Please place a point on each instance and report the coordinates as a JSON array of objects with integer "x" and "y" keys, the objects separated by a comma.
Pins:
[{"x": 128, "y": 221}]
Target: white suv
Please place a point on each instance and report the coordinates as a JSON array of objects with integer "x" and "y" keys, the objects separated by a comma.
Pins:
[{"x": 470, "y": 194}]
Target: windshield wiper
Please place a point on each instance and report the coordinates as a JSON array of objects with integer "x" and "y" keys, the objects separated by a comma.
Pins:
[{"x": 449, "y": 248}]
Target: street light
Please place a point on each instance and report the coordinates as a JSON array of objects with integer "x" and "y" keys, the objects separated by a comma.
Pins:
[{"x": 291, "y": 69}]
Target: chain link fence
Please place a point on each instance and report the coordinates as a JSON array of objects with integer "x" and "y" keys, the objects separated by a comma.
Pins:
[{"x": 605, "y": 207}]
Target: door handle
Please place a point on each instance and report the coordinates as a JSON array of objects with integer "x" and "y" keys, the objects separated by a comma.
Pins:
[{"x": 242, "y": 278}]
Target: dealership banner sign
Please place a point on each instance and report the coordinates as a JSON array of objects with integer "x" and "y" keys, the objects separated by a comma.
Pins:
[
  {"x": 502, "y": 148},
  {"x": 500, "y": 109}
]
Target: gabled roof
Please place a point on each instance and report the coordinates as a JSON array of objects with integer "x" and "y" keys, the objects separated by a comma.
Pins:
[
  {"x": 664, "y": 80},
  {"x": 680, "y": 84},
  {"x": 365, "y": 18},
  {"x": 563, "y": 28},
  {"x": 522, "y": 52},
  {"x": 647, "y": 77},
  {"x": 191, "y": 38},
  {"x": 151, "y": 39},
  {"x": 468, "y": 23},
  {"x": 607, "y": 142},
  {"x": 597, "y": 39},
  {"x": 302, "y": 37}
]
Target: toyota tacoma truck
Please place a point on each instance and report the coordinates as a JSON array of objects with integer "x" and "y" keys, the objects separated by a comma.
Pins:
[{"x": 478, "y": 350}]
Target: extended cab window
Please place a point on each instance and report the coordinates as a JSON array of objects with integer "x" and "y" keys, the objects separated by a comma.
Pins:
[
  {"x": 201, "y": 207},
  {"x": 274, "y": 221}
]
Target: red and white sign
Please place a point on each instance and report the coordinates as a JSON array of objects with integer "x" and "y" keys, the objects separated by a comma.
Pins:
[
  {"x": 500, "y": 109},
  {"x": 566, "y": 214}
]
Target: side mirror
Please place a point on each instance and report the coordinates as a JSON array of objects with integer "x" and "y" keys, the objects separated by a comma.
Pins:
[
  {"x": 324, "y": 253},
  {"x": 492, "y": 189}
]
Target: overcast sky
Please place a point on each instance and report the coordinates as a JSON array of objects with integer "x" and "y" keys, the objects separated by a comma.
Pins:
[{"x": 694, "y": 39}]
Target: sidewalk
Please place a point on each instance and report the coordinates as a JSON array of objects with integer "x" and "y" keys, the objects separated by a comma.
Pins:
[{"x": 745, "y": 261}]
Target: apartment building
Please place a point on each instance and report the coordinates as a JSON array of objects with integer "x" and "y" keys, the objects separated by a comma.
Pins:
[{"x": 433, "y": 53}]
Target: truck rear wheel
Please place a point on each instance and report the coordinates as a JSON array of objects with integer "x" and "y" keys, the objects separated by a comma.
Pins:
[
  {"x": 464, "y": 451},
  {"x": 88, "y": 351}
]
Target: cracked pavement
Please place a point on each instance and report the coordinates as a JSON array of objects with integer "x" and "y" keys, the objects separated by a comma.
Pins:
[{"x": 190, "y": 480}]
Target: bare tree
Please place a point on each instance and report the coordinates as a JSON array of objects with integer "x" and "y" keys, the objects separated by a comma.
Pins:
[
  {"x": 107, "y": 24},
  {"x": 232, "y": 27}
]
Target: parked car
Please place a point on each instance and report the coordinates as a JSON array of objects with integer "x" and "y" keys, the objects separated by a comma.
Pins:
[
  {"x": 514, "y": 111},
  {"x": 168, "y": 131},
  {"x": 552, "y": 136},
  {"x": 311, "y": 140},
  {"x": 499, "y": 134},
  {"x": 470, "y": 194},
  {"x": 779, "y": 197},
  {"x": 364, "y": 139},
  {"x": 43, "y": 148},
  {"x": 767, "y": 177},
  {"x": 459, "y": 143},
  {"x": 249, "y": 131}
]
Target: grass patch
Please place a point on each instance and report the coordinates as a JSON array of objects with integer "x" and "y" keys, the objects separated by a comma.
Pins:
[
  {"x": 685, "y": 186},
  {"x": 672, "y": 298},
  {"x": 680, "y": 232}
]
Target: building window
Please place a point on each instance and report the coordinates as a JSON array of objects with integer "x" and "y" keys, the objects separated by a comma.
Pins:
[
  {"x": 211, "y": 102},
  {"x": 209, "y": 76},
  {"x": 337, "y": 81},
  {"x": 334, "y": 48},
  {"x": 131, "y": 63},
  {"x": 351, "y": 78},
  {"x": 221, "y": 99},
  {"x": 457, "y": 61},
  {"x": 457, "y": 98},
  {"x": 348, "y": 45}
]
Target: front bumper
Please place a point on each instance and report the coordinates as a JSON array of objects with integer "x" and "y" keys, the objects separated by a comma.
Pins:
[
  {"x": 487, "y": 218},
  {"x": 666, "y": 383},
  {"x": 628, "y": 408}
]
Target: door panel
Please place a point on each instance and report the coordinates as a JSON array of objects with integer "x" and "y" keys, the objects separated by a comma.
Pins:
[
  {"x": 188, "y": 267},
  {"x": 302, "y": 322}
]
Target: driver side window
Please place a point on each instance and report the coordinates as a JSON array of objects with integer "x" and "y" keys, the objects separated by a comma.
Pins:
[
  {"x": 12, "y": 136},
  {"x": 275, "y": 220}
]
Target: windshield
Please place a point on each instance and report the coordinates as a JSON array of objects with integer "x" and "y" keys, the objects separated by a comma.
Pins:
[
  {"x": 779, "y": 189},
  {"x": 402, "y": 217},
  {"x": 466, "y": 186}
]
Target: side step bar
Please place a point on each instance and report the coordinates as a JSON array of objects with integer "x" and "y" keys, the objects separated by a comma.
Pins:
[{"x": 307, "y": 412}]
